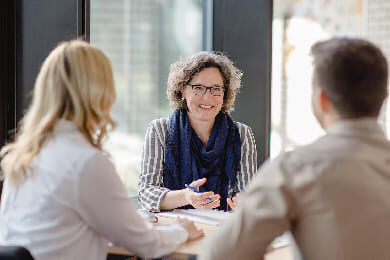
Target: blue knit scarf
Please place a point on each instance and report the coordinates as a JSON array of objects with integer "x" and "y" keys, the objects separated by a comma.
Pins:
[{"x": 187, "y": 159}]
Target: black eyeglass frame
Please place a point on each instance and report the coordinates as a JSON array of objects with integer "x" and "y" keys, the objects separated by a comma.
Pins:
[{"x": 206, "y": 88}]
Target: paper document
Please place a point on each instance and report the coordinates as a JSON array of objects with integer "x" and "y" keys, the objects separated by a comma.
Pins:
[
  {"x": 204, "y": 216},
  {"x": 281, "y": 241}
]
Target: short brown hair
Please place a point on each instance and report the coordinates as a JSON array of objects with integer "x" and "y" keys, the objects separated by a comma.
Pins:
[
  {"x": 353, "y": 74},
  {"x": 181, "y": 73}
]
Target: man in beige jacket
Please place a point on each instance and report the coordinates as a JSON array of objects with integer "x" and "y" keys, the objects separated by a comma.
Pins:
[{"x": 334, "y": 194}]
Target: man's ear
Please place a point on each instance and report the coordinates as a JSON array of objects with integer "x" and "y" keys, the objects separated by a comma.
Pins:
[{"x": 324, "y": 101}]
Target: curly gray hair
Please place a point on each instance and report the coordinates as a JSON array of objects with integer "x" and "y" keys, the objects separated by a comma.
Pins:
[{"x": 181, "y": 73}]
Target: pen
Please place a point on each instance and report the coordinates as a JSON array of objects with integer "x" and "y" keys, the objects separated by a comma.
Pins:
[
  {"x": 146, "y": 214},
  {"x": 192, "y": 188}
]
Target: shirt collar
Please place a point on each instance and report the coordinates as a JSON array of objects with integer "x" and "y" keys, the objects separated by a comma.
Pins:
[
  {"x": 63, "y": 125},
  {"x": 363, "y": 126}
]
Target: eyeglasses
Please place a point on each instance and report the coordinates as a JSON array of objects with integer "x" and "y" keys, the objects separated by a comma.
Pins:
[{"x": 200, "y": 90}]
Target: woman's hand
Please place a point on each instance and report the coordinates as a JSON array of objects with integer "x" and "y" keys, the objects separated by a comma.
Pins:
[
  {"x": 192, "y": 230},
  {"x": 233, "y": 202},
  {"x": 204, "y": 200}
]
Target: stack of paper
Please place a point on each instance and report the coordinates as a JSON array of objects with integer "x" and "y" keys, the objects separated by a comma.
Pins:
[{"x": 204, "y": 216}]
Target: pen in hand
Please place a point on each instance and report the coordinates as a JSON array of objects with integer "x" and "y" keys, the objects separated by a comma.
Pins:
[{"x": 197, "y": 191}]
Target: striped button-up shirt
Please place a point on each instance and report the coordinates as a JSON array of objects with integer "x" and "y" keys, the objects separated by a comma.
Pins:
[{"x": 151, "y": 188}]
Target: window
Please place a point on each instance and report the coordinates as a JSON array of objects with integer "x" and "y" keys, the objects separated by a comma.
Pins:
[
  {"x": 142, "y": 38},
  {"x": 296, "y": 26}
]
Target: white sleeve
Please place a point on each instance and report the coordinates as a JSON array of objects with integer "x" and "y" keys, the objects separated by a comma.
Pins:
[{"x": 105, "y": 207}]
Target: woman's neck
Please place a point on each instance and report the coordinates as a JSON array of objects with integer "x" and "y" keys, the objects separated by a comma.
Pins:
[{"x": 202, "y": 129}]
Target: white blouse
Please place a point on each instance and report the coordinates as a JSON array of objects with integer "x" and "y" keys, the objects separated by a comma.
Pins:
[{"x": 73, "y": 203}]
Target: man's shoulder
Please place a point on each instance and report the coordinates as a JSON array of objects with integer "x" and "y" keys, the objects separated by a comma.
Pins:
[
  {"x": 303, "y": 157},
  {"x": 319, "y": 156}
]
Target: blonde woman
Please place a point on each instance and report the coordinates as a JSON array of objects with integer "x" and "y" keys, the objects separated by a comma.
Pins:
[
  {"x": 62, "y": 198},
  {"x": 199, "y": 145}
]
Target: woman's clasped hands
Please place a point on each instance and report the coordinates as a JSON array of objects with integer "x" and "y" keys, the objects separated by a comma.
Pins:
[{"x": 203, "y": 200}]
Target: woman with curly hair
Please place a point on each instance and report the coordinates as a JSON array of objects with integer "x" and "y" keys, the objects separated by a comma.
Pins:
[{"x": 199, "y": 144}]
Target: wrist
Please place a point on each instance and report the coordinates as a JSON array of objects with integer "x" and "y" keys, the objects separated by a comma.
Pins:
[{"x": 186, "y": 195}]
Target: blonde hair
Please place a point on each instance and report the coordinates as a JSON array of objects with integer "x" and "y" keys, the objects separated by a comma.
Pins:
[
  {"x": 75, "y": 83},
  {"x": 181, "y": 73}
]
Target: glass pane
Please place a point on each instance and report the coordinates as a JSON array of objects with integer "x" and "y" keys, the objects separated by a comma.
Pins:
[
  {"x": 142, "y": 38},
  {"x": 296, "y": 26}
]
